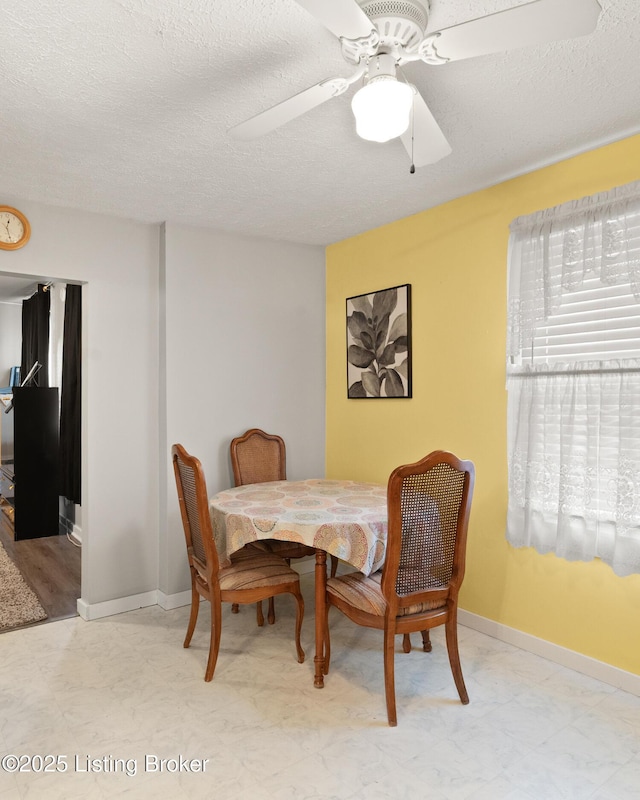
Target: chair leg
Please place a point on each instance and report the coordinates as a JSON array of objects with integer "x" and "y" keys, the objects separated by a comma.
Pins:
[
  {"x": 235, "y": 608},
  {"x": 326, "y": 639},
  {"x": 193, "y": 617},
  {"x": 271, "y": 613},
  {"x": 214, "y": 645},
  {"x": 406, "y": 643},
  {"x": 426, "y": 641},
  {"x": 299, "y": 616},
  {"x": 334, "y": 566},
  {"x": 451, "y": 631},
  {"x": 259, "y": 614},
  {"x": 389, "y": 676}
]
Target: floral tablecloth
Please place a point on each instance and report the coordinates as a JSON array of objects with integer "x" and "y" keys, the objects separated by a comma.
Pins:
[{"x": 347, "y": 519}]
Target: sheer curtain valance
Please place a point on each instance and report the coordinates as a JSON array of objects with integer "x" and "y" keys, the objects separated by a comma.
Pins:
[
  {"x": 573, "y": 380},
  {"x": 579, "y": 245}
]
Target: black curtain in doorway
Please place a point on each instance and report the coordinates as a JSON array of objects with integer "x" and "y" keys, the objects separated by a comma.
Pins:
[
  {"x": 70, "y": 466},
  {"x": 35, "y": 335}
]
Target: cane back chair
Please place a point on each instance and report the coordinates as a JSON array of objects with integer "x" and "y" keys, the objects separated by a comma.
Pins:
[
  {"x": 250, "y": 578},
  {"x": 258, "y": 457},
  {"x": 417, "y": 589}
]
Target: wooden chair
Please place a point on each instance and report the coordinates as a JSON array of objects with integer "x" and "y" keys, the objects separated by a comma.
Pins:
[
  {"x": 258, "y": 457},
  {"x": 250, "y": 578},
  {"x": 417, "y": 589}
]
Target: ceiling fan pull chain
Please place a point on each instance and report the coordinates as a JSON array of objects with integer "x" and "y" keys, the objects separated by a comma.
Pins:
[{"x": 412, "y": 168}]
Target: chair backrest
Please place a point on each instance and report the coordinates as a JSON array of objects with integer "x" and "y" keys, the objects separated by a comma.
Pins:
[
  {"x": 257, "y": 457},
  {"x": 194, "y": 509},
  {"x": 428, "y": 514}
]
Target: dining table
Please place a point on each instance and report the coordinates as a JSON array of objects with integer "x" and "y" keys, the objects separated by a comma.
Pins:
[{"x": 344, "y": 518}]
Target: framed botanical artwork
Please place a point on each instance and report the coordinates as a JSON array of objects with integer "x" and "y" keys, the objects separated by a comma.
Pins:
[{"x": 379, "y": 344}]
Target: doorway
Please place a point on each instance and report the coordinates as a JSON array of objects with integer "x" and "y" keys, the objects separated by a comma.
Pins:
[{"x": 51, "y": 564}]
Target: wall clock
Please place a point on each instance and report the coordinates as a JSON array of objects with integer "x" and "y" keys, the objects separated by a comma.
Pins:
[{"x": 14, "y": 228}]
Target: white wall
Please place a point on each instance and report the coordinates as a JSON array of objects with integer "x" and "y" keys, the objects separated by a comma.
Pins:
[
  {"x": 190, "y": 336},
  {"x": 10, "y": 339},
  {"x": 118, "y": 260},
  {"x": 243, "y": 321}
]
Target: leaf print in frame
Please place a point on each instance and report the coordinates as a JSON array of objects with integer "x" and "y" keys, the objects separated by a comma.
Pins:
[{"x": 379, "y": 344}]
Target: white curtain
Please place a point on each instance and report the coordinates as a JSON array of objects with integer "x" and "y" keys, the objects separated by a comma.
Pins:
[
  {"x": 56, "y": 330},
  {"x": 573, "y": 380}
]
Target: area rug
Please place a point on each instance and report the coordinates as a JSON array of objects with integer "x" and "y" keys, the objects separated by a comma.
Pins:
[{"x": 19, "y": 604}]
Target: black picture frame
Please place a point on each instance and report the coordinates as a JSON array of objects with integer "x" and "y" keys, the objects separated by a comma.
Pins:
[{"x": 379, "y": 344}]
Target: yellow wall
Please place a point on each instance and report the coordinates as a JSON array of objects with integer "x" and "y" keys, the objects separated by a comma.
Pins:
[{"x": 454, "y": 257}]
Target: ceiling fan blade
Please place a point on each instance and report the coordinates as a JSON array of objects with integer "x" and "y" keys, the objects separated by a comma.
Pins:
[
  {"x": 530, "y": 24},
  {"x": 274, "y": 117},
  {"x": 423, "y": 140},
  {"x": 344, "y": 18}
]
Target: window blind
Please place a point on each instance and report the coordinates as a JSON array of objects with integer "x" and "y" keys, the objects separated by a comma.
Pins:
[
  {"x": 575, "y": 284},
  {"x": 594, "y": 323}
]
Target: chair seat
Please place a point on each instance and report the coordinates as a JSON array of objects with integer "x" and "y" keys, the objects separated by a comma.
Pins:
[
  {"x": 255, "y": 571},
  {"x": 364, "y": 593}
]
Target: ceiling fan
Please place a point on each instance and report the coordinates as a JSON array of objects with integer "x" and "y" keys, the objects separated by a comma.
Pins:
[{"x": 380, "y": 36}]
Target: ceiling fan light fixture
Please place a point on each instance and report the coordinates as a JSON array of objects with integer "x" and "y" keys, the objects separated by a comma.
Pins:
[{"x": 382, "y": 108}]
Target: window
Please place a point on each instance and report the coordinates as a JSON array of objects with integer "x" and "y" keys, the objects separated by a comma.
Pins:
[{"x": 573, "y": 380}]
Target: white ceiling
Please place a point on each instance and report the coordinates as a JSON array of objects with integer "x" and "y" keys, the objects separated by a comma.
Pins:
[
  {"x": 123, "y": 107},
  {"x": 14, "y": 289}
]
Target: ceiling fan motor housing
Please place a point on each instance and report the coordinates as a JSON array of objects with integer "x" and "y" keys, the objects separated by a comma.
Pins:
[
  {"x": 398, "y": 27},
  {"x": 400, "y": 23}
]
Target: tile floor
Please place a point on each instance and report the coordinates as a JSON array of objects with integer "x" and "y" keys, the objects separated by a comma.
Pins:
[{"x": 106, "y": 694}]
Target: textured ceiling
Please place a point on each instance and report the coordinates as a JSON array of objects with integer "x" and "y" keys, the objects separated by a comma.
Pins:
[{"x": 123, "y": 107}]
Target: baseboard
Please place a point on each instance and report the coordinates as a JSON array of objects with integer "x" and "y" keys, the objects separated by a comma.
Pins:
[
  {"x": 89, "y": 611},
  {"x": 170, "y": 601},
  {"x": 606, "y": 673},
  {"x": 165, "y": 601},
  {"x": 76, "y": 535}
]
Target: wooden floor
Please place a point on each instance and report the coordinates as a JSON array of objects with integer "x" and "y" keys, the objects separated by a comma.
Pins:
[{"x": 50, "y": 565}]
